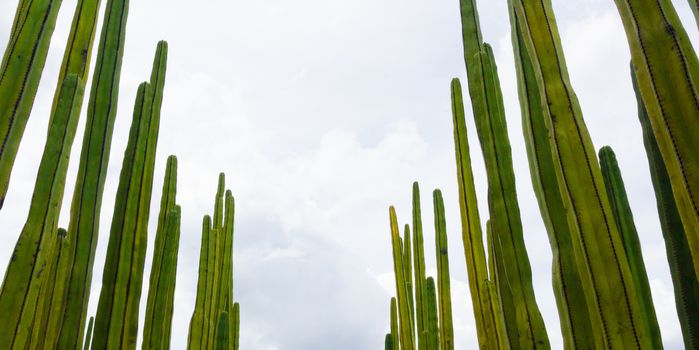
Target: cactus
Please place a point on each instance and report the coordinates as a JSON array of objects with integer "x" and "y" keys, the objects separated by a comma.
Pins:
[
  {"x": 222, "y": 332},
  {"x": 88, "y": 334},
  {"x": 395, "y": 333},
  {"x": 486, "y": 319},
  {"x": 446, "y": 327},
  {"x": 624, "y": 219},
  {"x": 94, "y": 159},
  {"x": 432, "y": 331},
  {"x": 20, "y": 72},
  {"x": 236, "y": 326},
  {"x": 667, "y": 72},
  {"x": 407, "y": 265},
  {"x": 406, "y": 336},
  {"x": 388, "y": 342},
  {"x": 19, "y": 295},
  {"x": 419, "y": 263},
  {"x": 164, "y": 267},
  {"x": 686, "y": 285},
  {"x": 614, "y": 308},
  {"x": 572, "y": 306},
  {"x": 694, "y": 4}
]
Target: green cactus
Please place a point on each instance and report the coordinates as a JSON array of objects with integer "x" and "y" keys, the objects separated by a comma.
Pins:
[
  {"x": 667, "y": 72},
  {"x": 20, "y": 72},
  {"x": 21, "y": 287},
  {"x": 388, "y": 343},
  {"x": 686, "y": 285},
  {"x": 486, "y": 319},
  {"x": 196, "y": 326},
  {"x": 236, "y": 326},
  {"x": 572, "y": 306},
  {"x": 419, "y": 268},
  {"x": 694, "y": 4},
  {"x": 446, "y": 327},
  {"x": 624, "y": 219},
  {"x": 615, "y": 309},
  {"x": 88, "y": 334},
  {"x": 163, "y": 269},
  {"x": 408, "y": 266},
  {"x": 76, "y": 58},
  {"x": 407, "y": 340},
  {"x": 395, "y": 332},
  {"x": 222, "y": 332},
  {"x": 92, "y": 171},
  {"x": 432, "y": 331}
]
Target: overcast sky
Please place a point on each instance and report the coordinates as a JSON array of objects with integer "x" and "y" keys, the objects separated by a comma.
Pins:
[{"x": 322, "y": 113}]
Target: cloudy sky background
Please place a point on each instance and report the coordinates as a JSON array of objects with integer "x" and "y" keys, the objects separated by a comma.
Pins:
[{"x": 322, "y": 113}]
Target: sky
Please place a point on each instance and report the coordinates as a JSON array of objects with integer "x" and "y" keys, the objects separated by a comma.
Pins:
[{"x": 322, "y": 113}]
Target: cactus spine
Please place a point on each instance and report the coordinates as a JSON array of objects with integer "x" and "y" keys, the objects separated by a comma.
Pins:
[
  {"x": 163, "y": 273},
  {"x": 616, "y": 317},
  {"x": 667, "y": 72},
  {"x": 472, "y": 234},
  {"x": 21, "y": 288},
  {"x": 624, "y": 219},
  {"x": 446, "y": 327},
  {"x": 686, "y": 285},
  {"x": 20, "y": 72},
  {"x": 94, "y": 159}
]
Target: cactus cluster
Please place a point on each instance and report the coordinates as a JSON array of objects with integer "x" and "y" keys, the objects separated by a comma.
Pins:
[{"x": 215, "y": 321}]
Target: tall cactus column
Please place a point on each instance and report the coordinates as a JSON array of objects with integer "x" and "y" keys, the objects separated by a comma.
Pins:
[
  {"x": 613, "y": 304},
  {"x": 92, "y": 171},
  {"x": 419, "y": 268},
  {"x": 667, "y": 71},
  {"x": 446, "y": 327},
  {"x": 19, "y": 295},
  {"x": 407, "y": 336},
  {"x": 20, "y": 72}
]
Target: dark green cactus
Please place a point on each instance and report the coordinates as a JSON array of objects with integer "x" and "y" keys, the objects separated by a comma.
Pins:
[
  {"x": 222, "y": 332},
  {"x": 21, "y": 287},
  {"x": 92, "y": 171},
  {"x": 407, "y": 336},
  {"x": 446, "y": 327},
  {"x": 388, "y": 342},
  {"x": 88, "y": 334},
  {"x": 408, "y": 266},
  {"x": 667, "y": 72},
  {"x": 567, "y": 285},
  {"x": 236, "y": 326},
  {"x": 395, "y": 332},
  {"x": 164, "y": 267},
  {"x": 632, "y": 244},
  {"x": 419, "y": 268},
  {"x": 615, "y": 310},
  {"x": 432, "y": 331},
  {"x": 196, "y": 325},
  {"x": 686, "y": 285},
  {"x": 472, "y": 234},
  {"x": 20, "y": 72}
]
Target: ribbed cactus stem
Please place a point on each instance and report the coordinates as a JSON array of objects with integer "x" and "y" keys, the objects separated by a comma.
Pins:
[
  {"x": 20, "y": 72},
  {"x": 632, "y": 244},
  {"x": 472, "y": 234},
  {"x": 236, "y": 326},
  {"x": 432, "y": 315},
  {"x": 88, "y": 334},
  {"x": 667, "y": 72},
  {"x": 686, "y": 286},
  {"x": 92, "y": 171},
  {"x": 694, "y": 4},
  {"x": 408, "y": 266},
  {"x": 446, "y": 327},
  {"x": 614, "y": 307},
  {"x": 388, "y": 342},
  {"x": 196, "y": 326},
  {"x": 419, "y": 268},
  {"x": 222, "y": 332},
  {"x": 407, "y": 338},
  {"x": 395, "y": 332},
  {"x": 21, "y": 287}
]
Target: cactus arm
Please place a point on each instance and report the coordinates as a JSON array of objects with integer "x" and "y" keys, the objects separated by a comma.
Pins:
[
  {"x": 694, "y": 4},
  {"x": 406, "y": 333},
  {"x": 197, "y": 322},
  {"x": 624, "y": 219},
  {"x": 20, "y": 73},
  {"x": 388, "y": 342},
  {"x": 236, "y": 326},
  {"x": 395, "y": 332},
  {"x": 667, "y": 72},
  {"x": 222, "y": 332},
  {"x": 446, "y": 327},
  {"x": 94, "y": 159},
  {"x": 686, "y": 286},
  {"x": 21, "y": 287},
  {"x": 432, "y": 315},
  {"x": 407, "y": 265},
  {"x": 419, "y": 268}
]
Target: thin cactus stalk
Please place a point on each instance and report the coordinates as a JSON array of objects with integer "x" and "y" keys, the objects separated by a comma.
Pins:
[
  {"x": 94, "y": 159},
  {"x": 432, "y": 315},
  {"x": 446, "y": 327},
  {"x": 21, "y": 287},
  {"x": 472, "y": 234},
  {"x": 632, "y": 244},
  {"x": 222, "y": 332},
  {"x": 408, "y": 266},
  {"x": 567, "y": 285},
  {"x": 196, "y": 326},
  {"x": 395, "y": 332},
  {"x": 407, "y": 337},
  {"x": 614, "y": 307},
  {"x": 694, "y": 4},
  {"x": 419, "y": 268},
  {"x": 236, "y": 326},
  {"x": 76, "y": 57},
  {"x": 116, "y": 321},
  {"x": 20, "y": 73},
  {"x": 667, "y": 73},
  {"x": 88, "y": 334},
  {"x": 388, "y": 342},
  {"x": 686, "y": 285}
]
